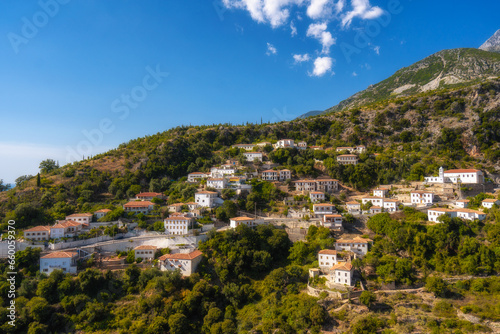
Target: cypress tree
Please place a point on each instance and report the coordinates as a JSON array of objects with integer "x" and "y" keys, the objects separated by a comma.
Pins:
[{"x": 38, "y": 181}]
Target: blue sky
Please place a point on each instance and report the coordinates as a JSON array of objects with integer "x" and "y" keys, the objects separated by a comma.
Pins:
[{"x": 118, "y": 70}]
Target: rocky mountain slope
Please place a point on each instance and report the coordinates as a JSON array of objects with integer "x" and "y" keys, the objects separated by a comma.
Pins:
[
  {"x": 493, "y": 43},
  {"x": 447, "y": 68}
]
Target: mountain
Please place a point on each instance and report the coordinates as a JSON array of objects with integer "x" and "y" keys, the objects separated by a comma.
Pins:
[
  {"x": 493, "y": 43},
  {"x": 444, "y": 69},
  {"x": 311, "y": 113}
]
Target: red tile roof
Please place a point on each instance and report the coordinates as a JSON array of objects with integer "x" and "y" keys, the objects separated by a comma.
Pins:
[
  {"x": 138, "y": 204},
  {"x": 145, "y": 247},
  {"x": 80, "y": 215},
  {"x": 38, "y": 229},
  {"x": 346, "y": 266},
  {"x": 55, "y": 255},
  {"x": 328, "y": 252},
  {"x": 181, "y": 256},
  {"x": 462, "y": 171}
]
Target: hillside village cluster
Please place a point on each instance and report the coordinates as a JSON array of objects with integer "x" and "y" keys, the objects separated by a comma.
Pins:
[{"x": 334, "y": 264}]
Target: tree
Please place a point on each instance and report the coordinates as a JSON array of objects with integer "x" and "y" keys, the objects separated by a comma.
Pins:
[
  {"x": 178, "y": 323},
  {"x": 48, "y": 165},
  {"x": 436, "y": 285},
  {"x": 367, "y": 298},
  {"x": 3, "y": 187},
  {"x": 23, "y": 178},
  {"x": 38, "y": 308},
  {"x": 38, "y": 180}
]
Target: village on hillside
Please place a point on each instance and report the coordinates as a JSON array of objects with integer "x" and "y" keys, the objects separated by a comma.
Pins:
[{"x": 97, "y": 239}]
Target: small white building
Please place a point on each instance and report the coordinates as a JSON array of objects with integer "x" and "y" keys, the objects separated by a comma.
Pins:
[
  {"x": 217, "y": 183},
  {"x": 316, "y": 196},
  {"x": 185, "y": 262},
  {"x": 197, "y": 176},
  {"x": 65, "y": 229},
  {"x": 192, "y": 206},
  {"x": 175, "y": 207},
  {"x": 251, "y": 156},
  {"x": 327, "y": 185},
  {"x": 359, "y": 246},
  {"x": 353, "y": 207},
  {"x": 327, "y": 258},
  {"x": 177, "y": 225},
  {"x": 435, "y": 213},
  {"x": 489, "y": 202},
  {"x": 285, "y": 143},
  {"x": 37, "y": 233},
  {"x": 84, "y": 218},
  {"x": 270, "y": 175},
  {"x": 65, "y": 261},
  {"x": 421, "y": 197},
  {"x": 347, "y": 159},
  {"x": 101, "y": 213},
  {"x": 468, "y": 214},
  {"x": 391, "y": 205},
  {"x": 305, "y": 185},
  {"x": 321, "y": 209},
  {"x": 222, "y": 171},
  {"x": 302, "y": 145},
  {"x": 462, "y": 203},
  {"x": 247, "y": 147},
  {"x": 145, "y": 252},
  {"x": 342, "y": 273},
  {"x": 376, "y": 201},
  {"x": 471, "y": 176},
  {"x": 206, "y": 199},
  {"x": 333, "y": 221},
  {"x": 285, "y": 174},
  {"x": 237, "y": 221},
  {"x": 380, "y": 192},
  {"x": 375, "y": 209},
  {"x": 144, "y": 207}
]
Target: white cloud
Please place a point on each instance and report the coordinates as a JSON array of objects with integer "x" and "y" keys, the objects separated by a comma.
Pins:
[
  {"x": 339, "y": 6},
  {"x": 319, "y": 9},
  {"x": 271, "y": 50},
  {"x": 318, "y": 31},
  {"x": 361, "y": 9},
  {"x": 293, "y": 28},
  {"x": 376, "y": 49},
  {"x": 276, "y": 12},
  {"x": 354, "y": 74},
  {"x": 298, "y": 58},
  {"x": 322, "y": 65}
]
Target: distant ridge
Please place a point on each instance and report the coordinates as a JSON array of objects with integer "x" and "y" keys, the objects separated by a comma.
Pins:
[{"x": 493, "y": 43}]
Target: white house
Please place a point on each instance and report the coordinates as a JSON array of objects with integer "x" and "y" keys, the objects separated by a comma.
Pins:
[
  {"x": 285, "y": 143},
  {"x": 185, "y": 262},
  {"x": 357, "y": 149},
  {"x": 251, "y": 156},
  {"x": 37, "y": 233},
  {"x": 270, "y": 175},
  {"x": 192, "y": 205},
  {"x": 65, "y": 229},
  {"x": 327, "y": 258},
  {"x": 302, "y": 145},
  {"x": 305, "y": 185},
  {"x": 473, "y": 176},
  {"x": 391, "y": 205},
  {"x": 421, "y": 197},
  {"x": 237, "y": 221},
  {"x": 434, "y": 214},
  {"x": 359, "y": 246},
  {"x": 376, "y": 201},
  {"x": 380, "y": 192},
  {"x": 145, "y": 252},
  {"x": 489, "y": 202},
  {"x": 223, "y": 171},
  {"x": 217, "y": 183},
  {"x": 101, "y": 213},
  {"x": 144, "y": 207},
  {"x": 347, "y": 159},
  {"x": 321, "y": 209},
  {"x": 375, "y": 209},
  {"x": 206, "y": 199},
  {"x": 285, "y": 174},
  {"x": 342, "y": 273},
  {"x": 177, "y": 225},
  {"x": 84, "y": 218},
  {"x": 317, "y": 196},
  {"x": 462, "y": 203},
  {"x": 333, "y": 222},
  {"x": 65, "y": 261},
  {"x": 197, "y": 176},
  {"x": 327, "y": 185},
  {"x": 353, "y": 207},
  {"x": 247, "y": 147},
  {"x": 175, "y": 207}
]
